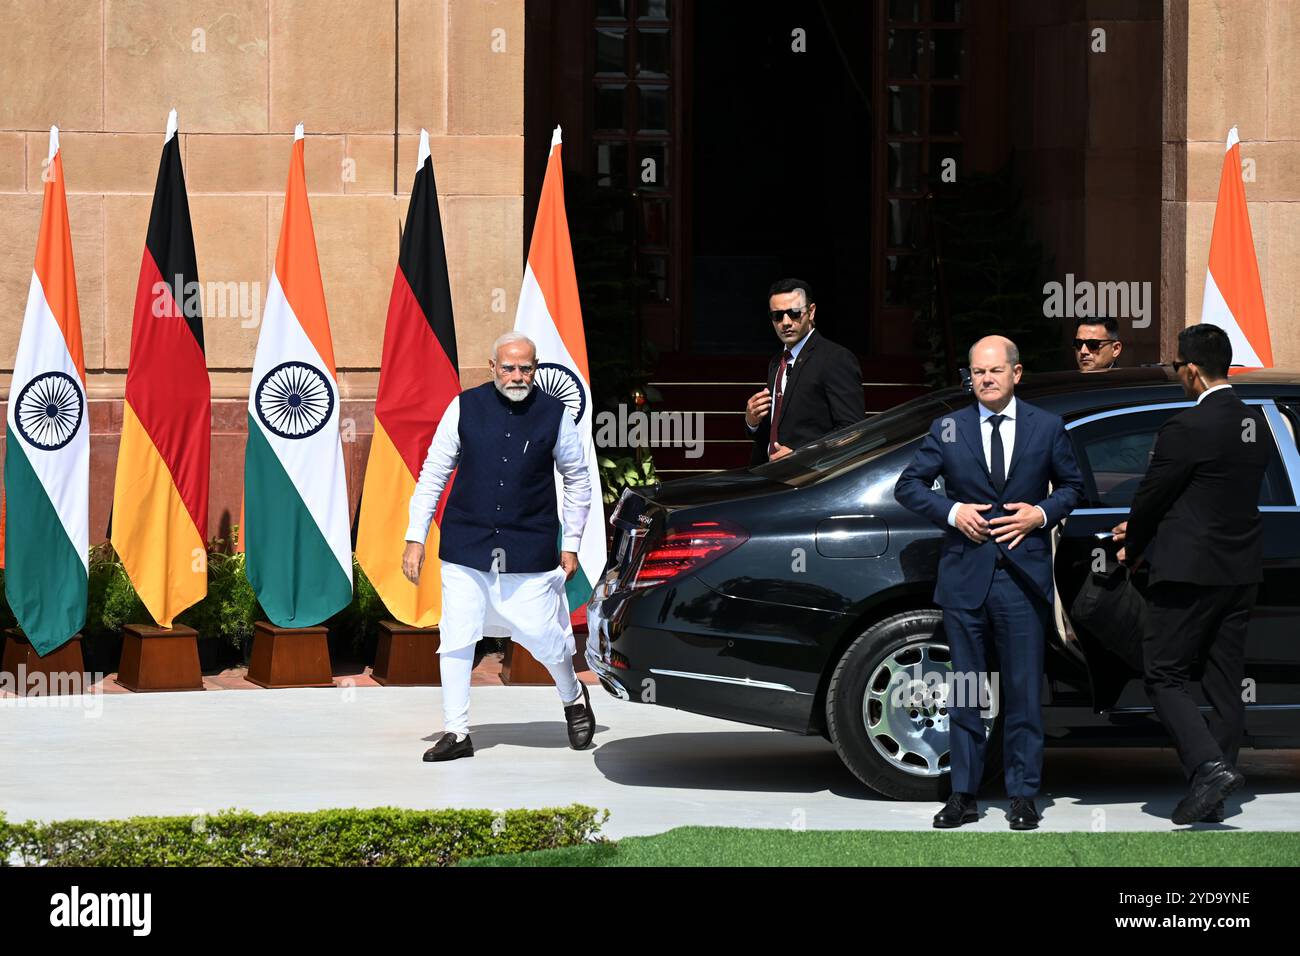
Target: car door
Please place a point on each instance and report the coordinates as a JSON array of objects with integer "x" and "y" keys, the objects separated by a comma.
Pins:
[{"x": 1114, "y": 449}]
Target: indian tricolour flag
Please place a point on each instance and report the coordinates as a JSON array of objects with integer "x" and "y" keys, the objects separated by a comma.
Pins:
[
  {"x": 297, "y": 540},
  {"x": 550, "y": 315},
  {"x": 47, "y": 440},
  {"x": 1234, "y": 297}
]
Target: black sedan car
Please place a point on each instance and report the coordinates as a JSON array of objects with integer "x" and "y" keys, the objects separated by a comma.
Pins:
[{"x": 798, "y": 594}]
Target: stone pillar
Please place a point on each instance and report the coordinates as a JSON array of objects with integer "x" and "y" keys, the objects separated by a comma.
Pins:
[
  {"x": 363, "y": 77},
  {"x": 1231, "y": 63}
]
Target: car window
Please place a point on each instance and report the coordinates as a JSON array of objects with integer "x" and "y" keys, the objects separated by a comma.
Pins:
[
  {"x": 849, "y": 446},
  {"x": 1290, "y": 409},
  {"x": 1114, "y": 453}
]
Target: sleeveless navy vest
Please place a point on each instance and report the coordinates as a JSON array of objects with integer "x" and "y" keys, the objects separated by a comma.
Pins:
[{"x": 502, "y": 510}]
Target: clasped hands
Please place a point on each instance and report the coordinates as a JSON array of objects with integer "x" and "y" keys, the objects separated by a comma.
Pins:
[{"x": 1010, "y": 529}]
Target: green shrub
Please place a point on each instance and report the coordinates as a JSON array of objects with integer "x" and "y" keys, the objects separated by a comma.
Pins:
[
  {"x": 230, "y": 608},
  {"x": 358, "y": 623},
  {"x": 111, "y": 600},
  {"x": 385, "y": 836}
]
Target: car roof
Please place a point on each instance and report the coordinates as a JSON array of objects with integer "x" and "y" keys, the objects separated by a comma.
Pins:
[{"x": 1066, "y": 393}]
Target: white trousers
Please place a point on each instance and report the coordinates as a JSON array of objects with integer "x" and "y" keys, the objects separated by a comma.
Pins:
[{"x": 530, "y": 607}]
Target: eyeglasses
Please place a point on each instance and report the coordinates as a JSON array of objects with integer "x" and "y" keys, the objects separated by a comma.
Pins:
[
  {"x": 1178, "y": 365},
  {"x": 796, "y": 314},
  {"x": 1094, "y": 345},
  {"x": 510, "y": 369}
]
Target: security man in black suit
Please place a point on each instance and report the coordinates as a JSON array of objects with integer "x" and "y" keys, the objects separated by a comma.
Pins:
[
  {"x": 1195, "y": 521},
  {"x": 813, "y": 387}
]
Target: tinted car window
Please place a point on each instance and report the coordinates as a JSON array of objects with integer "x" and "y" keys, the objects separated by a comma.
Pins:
[
  {"x": 849, "y": 446},
  {"x": 1114, "y": 453},
  {"x": 1291, "y": 415}
]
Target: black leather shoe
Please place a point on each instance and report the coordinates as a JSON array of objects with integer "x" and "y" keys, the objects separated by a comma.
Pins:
[
  {"x": 1215, "y": 814},
  {"x": 581, "y": 721},
  {"x": 1023, "y": 814},
  {"x": 447, "y": 747},
  {"x": 960, "y": 808},
  {"x": 1212, "y": 781}
]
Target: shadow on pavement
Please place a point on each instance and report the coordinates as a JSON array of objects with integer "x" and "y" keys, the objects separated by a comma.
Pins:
[{"x": 758, "y": 761}]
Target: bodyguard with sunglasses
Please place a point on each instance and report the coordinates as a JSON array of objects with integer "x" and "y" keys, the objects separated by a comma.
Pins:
[
  {"x": 1096, "y": 344},
  {"x": 813, "y": 386},
  {"x": 1195, "y": 521}
]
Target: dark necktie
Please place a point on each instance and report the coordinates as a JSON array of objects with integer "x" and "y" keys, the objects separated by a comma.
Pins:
[
  {"x": 787, "y": 357},
  {"x": 997, "y": 455}
]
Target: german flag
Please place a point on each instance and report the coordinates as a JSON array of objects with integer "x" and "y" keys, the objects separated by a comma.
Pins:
[
  {"x": 418, "y": 378},
  {"x": 160, "y": 498}
]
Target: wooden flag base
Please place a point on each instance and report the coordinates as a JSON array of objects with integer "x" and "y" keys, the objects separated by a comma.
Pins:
[
  {"x": 520, "y": 669},
  {"x": 22, "y": 661},
  {"x": 407, "y": 656},
  {"x": 160, "y": 658},
  {"x": 290, "y": 657}
]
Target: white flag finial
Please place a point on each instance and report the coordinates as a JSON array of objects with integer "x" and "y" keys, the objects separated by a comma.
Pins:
[
  {"x": 424, "y": 150},
  {"x": 298, "y": 133},
  {"x": 555, "y": 138},
  {"x": 1233, "y": 139},
  {"x": 54, "y": 141},
  {"x": 171, "y": 126}
]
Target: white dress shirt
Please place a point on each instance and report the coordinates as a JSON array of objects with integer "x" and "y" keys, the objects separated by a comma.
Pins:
[
  {"x": 444, "y": 455},
  {"x": 794, "y": 356},
  {"x": 1008, "y": 432},
  {"x": 1212, "y": 388}
]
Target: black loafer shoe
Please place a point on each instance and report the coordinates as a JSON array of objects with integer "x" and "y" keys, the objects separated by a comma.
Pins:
[
  {"x": 960, "y": 808},
  {"x": 447, "y": 747},
  {"x": 1213, "y": 781},
  {"x": 1215, "y": 814},
  {"x": 581, "y": 721},
  {"x": 1023, "y": 814}
]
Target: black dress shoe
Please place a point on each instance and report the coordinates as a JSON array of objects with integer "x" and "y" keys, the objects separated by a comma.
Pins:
[
  {"x": 447, "y": 747},
  {"x": 960, "y": 808},
  {"x": 1214, "y": 814},
  {"x": 1023, "y": 814},
  {"x": 581, "y": 721},
  {"x": 1212, "y": 781}
]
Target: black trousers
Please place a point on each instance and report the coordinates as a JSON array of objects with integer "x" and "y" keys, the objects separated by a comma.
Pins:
[{"x": 1186, "y": 622}]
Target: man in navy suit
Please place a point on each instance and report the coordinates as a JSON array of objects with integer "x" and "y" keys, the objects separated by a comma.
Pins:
[{"x": 997, "y": 458}]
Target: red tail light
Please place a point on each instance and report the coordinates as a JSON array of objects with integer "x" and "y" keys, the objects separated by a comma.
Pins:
[{"x": 687, "y": 549}]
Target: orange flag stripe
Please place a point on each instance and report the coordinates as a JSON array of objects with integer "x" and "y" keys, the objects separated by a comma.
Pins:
[
  {"x": 552, "y": 264},
  {"x": 298, "y": 267},
  {"x": 54, "y": 267},
  {"x": 1232, "y": 258}
]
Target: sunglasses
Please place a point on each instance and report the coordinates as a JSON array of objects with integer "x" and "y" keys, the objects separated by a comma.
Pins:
[
  {"x": 796, "y": 314},
  {"x": 1094, "y": 345}
]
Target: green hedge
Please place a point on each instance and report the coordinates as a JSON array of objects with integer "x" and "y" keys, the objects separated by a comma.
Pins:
[{"x": 385, "y": 836}]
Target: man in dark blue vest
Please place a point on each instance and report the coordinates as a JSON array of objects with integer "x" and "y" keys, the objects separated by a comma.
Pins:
[
  {"x": 997, "y": 458},
  {"x": 504, "y": 560}
]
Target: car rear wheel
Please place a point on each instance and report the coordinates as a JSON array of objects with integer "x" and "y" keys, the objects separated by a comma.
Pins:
[{"x": 886, "y": 708}]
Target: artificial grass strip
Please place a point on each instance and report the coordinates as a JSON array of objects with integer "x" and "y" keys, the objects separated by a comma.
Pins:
[{"x": 727, "y": 846}]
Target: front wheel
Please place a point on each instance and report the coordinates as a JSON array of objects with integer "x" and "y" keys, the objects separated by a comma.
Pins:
[{"x": 886, "y": 708}]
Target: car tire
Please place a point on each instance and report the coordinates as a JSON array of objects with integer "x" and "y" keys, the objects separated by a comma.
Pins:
[{"x": 917, "y": 768}]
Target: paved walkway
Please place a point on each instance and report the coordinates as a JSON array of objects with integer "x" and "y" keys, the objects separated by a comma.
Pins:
[{"x": 117, "y": 755}]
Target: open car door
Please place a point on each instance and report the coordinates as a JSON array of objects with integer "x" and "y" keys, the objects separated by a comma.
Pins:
[{"x": 1114, "y": 450}]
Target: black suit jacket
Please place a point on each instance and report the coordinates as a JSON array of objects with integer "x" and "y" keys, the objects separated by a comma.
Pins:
[
  {"x": 1196, "y": 513},
  {"x": 823, "y": 392}
]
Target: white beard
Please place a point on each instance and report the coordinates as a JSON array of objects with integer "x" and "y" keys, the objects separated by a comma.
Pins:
[{"x": 514, "y": 393}]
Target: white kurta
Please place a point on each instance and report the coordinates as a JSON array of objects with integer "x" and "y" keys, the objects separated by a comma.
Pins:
[{"x": 530, "y": 607}]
